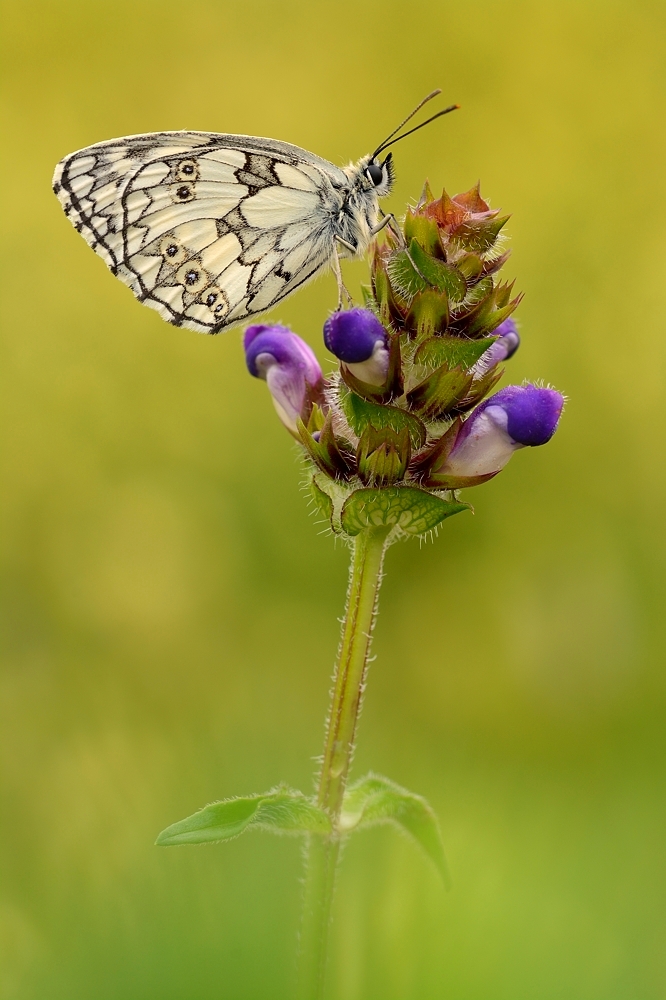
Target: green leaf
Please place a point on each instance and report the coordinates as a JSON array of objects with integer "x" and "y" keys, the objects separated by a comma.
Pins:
[
  {"x": 380, "y": 285},
  {"x": 426, "y": 195},
  {"x": 478, "y": 390},
  {"x": 374, "y": 800},
  {"x": 428, "y": 313},
  {"x": 368, "y": 297},
  {"x": 456, "y": 352},
  {"x": 492, "y": 310},
  {"x": 423, "y": 229},
  {"x": 445, "y": 482},
  {"x": 442, "y": 276},
  {"x": 282, "y": 810},
  {"x": 389, "y": 310},
  {"x": 324, "y": 450},
  {"x": 323, "y": 502},
  {"x": 479, "y": 235},
  {"x": 496, "y": 264},
  {"x": 403, "y": 277},
  {"x": 414, "y": 510},
  {"x": 383, "y": 456},
  {"x": 361, "y": 413},
  {"x": 436, "y": 395},
  {"x": 470, "y": 266},
  {"x": 478, "y": 292}
]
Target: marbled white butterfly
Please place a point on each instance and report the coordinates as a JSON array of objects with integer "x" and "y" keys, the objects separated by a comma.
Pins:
[{"x": 209, "y": 229}]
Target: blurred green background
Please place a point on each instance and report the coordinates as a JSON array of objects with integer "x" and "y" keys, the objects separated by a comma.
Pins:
[{"x": 171, "y": 610}]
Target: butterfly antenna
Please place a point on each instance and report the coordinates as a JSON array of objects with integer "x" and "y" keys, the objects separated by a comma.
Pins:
[
  {"x": 435, "y": 93},
  {"x": 390, "y": 141}
]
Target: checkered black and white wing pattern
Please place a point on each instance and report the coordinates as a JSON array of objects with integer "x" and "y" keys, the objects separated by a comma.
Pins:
[{"x": 207, "y": 229}]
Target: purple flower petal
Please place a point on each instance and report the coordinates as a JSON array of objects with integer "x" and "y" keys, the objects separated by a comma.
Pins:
[
  {"x": 504, "y": 347},
  {"x": 352, "y": 335},
  {"x": 532, "y": 413},
  {"x": 289, "y": 367},
  {"x": 508, "y": 336},
  {"x": 515, "y": 417},
  {"x": 358, "y": 339},
  {"x": 286, "y": 347}
]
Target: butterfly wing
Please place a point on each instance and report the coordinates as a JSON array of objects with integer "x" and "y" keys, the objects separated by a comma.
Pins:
[{"x": 207, "y": 229}]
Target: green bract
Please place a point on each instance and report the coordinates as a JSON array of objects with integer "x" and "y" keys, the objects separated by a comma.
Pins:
[{"x": 414, "y": 511}]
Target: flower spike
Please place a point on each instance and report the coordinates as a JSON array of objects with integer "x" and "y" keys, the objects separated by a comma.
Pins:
[{"x": 409, "y": 414}]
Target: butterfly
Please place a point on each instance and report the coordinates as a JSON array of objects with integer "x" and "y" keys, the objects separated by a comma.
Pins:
[{"x": 210, "y": 229}]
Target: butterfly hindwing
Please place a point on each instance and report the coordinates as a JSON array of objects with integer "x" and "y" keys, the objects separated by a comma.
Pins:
[{"x": 207, "y": 229}]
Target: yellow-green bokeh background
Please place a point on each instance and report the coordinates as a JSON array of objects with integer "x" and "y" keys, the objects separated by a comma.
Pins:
[{"x": 172, "y": 611}]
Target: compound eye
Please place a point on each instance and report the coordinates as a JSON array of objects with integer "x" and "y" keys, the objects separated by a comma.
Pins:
[{"x": 375, "y": 173}]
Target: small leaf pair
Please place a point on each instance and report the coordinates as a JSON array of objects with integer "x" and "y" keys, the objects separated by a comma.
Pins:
[{"x": 371, "y": 801}]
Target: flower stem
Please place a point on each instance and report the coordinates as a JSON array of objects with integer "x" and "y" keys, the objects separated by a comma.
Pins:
[{"x": 364, "y": 580}]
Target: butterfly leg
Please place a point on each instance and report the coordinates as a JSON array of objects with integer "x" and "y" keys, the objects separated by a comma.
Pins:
[
  {"x": 338, "y": 273},
  {"x": 389, "y": 220},
  {"x": 347, "y": 245}
]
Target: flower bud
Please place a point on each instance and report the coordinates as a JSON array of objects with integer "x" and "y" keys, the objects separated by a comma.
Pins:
[
  {"x": 358, "y": 339},
  {"x": 290, "y": 369},
  {"x": 504, "y": 347},
  {"x": 515, "y": 417}
]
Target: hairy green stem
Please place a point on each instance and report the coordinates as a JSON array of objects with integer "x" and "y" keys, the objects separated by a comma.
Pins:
[{"x": 364, "y": 581}]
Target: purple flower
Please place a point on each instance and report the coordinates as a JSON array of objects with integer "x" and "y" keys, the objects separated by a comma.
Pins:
[
  {"x": 358, "y": 338},
  {"x": 504, "y": 347},
  {"x": 288, "y": 366},
  {"x": 516, "y": 417}
]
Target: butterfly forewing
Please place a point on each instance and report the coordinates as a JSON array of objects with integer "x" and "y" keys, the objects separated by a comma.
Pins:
[{"x": 207, "y": 229}]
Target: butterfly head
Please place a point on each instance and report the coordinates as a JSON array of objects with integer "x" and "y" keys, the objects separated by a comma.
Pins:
[{"x": 378, "y": 176}]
